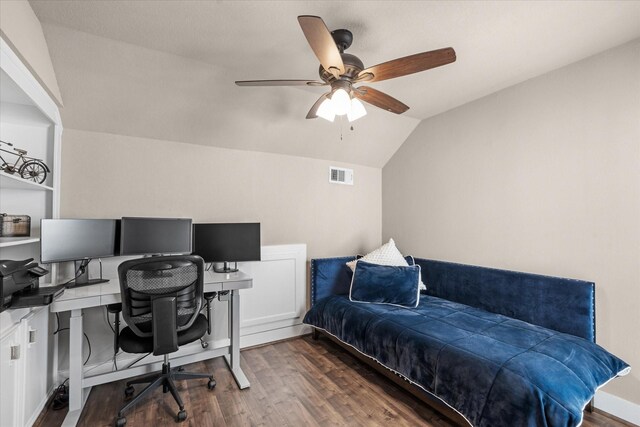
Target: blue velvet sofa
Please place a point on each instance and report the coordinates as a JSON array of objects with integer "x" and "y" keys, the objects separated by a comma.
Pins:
[{"x": 499, "y": 348}]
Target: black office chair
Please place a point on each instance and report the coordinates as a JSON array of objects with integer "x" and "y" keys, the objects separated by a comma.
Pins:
[{"x": 161, "y": 303}]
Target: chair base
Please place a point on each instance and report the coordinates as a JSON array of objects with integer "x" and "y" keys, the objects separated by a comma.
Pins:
[{"x": 165, "y": 379}]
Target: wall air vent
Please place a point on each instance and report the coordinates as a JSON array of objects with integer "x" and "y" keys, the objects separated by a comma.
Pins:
[{"x": 340, "y": 175}]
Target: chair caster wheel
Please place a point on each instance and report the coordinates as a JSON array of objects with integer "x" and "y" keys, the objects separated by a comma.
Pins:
[
  {"x": 121, "y": 422},
  {"x": 211, "y": 384},
  {"x": 181, "y": 416},
  {"x": 128, "y": 392}
]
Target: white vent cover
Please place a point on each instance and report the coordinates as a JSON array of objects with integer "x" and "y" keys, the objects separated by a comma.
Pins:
[{"x": 340, "y": 175}]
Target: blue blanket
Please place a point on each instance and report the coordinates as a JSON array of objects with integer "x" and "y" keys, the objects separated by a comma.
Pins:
[{"x": 492, "y": 369}]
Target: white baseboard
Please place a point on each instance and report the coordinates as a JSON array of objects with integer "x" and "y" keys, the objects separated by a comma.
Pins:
[
  {"x": 40, "y": 407},
  {"x": 273, "y": 335},
  {"x": 618, "y": 407}
]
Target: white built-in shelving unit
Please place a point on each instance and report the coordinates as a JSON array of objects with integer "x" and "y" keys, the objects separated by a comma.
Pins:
[{"x": 30, "y": 120}]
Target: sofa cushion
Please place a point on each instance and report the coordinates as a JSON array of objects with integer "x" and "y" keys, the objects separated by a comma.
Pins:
[
  {"x": 411, "y": 261},
  {"x": 385, "y": 284},
  {"x": 387, "y": 254}
]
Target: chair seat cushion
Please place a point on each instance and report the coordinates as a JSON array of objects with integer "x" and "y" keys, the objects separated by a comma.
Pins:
[{"x": 131, "y": 343}]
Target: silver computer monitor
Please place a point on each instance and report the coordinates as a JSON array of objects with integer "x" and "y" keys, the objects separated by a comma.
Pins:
[{"x": 78, "y": 240}]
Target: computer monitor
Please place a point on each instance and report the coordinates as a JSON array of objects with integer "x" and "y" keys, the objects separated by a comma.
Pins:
[
  {"x": 230, "y": 242},
  {"x": 78, "y": 240},
  {"x": 155, "y": 236}
]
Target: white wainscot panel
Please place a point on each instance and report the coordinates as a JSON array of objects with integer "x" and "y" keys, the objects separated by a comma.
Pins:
[
  {"x": 273, "y": 309},
  {"x": 273, "y": 297}
]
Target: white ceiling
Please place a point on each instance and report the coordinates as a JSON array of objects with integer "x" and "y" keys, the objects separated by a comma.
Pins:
[{"x": 165, "y": 69}]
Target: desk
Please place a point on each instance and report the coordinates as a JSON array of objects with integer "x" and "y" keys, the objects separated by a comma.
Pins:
[{"x": 77, "y": 299}]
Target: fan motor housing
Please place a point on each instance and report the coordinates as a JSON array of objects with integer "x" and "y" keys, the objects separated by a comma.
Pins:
[
  {"x": 343, "y": 39},
  {"x": 352, "y": 66}
]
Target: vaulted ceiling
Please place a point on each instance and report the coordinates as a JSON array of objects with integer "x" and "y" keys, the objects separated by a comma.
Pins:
[{"x": 166, "y": 69}]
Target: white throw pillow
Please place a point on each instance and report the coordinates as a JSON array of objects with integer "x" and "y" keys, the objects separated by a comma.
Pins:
[{"x": 386, "y": 254}]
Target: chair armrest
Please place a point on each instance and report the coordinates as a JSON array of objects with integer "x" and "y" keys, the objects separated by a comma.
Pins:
[
  {"x": 115, "y": 309},
  {"x": 209, "y": 296}
]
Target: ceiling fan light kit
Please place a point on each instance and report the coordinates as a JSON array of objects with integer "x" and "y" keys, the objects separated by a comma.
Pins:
[
  {"x": 342, "y": 70},
  {"x": 341, "y": 102},
  {"x": 338, "y": 102},
  {"x": 357, "y": 110},
  {"x": 326, "y": 110}
]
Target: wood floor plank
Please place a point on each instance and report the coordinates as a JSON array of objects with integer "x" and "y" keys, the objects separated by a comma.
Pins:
[
  {"x": 336, "y": 396},
  {"x": 204, "y": 408},
  {"x": 263, "y": 412},
  {"x": 294, "y": 383},
  {"x": 314, "y": 398},
  {"x": 370, "y": 388}
]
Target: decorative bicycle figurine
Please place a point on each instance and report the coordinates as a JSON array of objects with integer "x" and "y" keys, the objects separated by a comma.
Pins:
[{"x": 28, "y": 168}]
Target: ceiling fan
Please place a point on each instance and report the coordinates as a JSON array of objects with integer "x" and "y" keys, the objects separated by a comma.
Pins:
[{"x": 342, "y": 71}]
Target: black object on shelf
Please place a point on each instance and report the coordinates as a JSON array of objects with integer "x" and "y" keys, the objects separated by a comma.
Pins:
[
  {"x": 20, "y": 287},
  {"x": 36, "y": 296}
]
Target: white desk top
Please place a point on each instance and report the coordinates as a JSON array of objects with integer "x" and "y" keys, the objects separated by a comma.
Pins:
[{"x": 109, "y": 293}]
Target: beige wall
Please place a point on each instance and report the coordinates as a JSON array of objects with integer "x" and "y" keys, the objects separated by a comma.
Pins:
[
  {"x": 21, "y": 29},
  {"x": 106, "y": 175},
  {"x": 541, "y": 177}
]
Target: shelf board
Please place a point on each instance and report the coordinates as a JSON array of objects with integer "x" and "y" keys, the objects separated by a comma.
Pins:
[
  {"x": 16, "y": 241},
  {"x": 15, "y": 182}
]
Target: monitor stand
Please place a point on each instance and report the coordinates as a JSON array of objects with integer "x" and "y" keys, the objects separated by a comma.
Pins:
[
  {"x": 82, "y": 279},
  {"x": 226, "y": 268}
]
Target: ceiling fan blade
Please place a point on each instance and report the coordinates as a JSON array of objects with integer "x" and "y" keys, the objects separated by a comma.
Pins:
[
  {"x": 322, "y": 43},
  {"x": 312, "y": 114},
  {"x": 408, "y": 65},
  {"x": 379, "y": 99},
  {"x": 280, "y": 83}
]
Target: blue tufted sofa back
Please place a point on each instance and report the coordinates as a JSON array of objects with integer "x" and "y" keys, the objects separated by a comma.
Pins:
[{"x": 564, "y": 305}]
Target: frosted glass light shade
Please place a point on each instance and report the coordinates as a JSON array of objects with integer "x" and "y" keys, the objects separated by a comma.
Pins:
[
  {"x": 356, "y": 111},
  {"x": 325, "y": 110},
  {"x": 341, "y": 102}
]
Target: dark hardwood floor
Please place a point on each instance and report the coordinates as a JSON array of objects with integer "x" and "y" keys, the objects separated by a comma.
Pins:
[{"x": 300, "y": 382}]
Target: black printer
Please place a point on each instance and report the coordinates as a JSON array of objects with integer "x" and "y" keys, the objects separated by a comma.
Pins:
[{"x": 20, "y": 287}]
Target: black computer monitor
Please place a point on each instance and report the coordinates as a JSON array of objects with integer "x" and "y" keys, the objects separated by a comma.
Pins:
[
  {"x": 78, "y": 240},
  {"x": 155, "y": 236},
  {"x": 230, "y": 242}
]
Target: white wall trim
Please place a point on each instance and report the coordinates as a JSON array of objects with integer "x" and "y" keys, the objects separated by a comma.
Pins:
[
  {"x": 273, "y": 335},
  {"x": 618, "y": 407},
  {"x": 31, "y": 421},
  {"x": 20, "y": 74}
]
